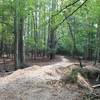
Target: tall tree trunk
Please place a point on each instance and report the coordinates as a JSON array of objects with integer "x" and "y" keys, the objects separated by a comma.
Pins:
[
  {"x": 21, "y": 46},
  {"x": 74, "y": 43},
  {"x": 52, "y": 34},
  {"x": 18, "y": 29}
]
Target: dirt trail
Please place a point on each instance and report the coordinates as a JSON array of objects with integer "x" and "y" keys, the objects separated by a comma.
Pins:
[{"x": 31, "y": 84}]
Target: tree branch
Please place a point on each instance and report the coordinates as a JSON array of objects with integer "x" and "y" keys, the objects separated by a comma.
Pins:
[
  {"x": 64, "y": 8},
  {"x": 70, "y": 14}
]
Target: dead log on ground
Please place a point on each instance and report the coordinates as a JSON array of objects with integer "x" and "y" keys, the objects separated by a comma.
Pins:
[
  {"x": 96, "y": 86},
  {"x": 83, "y": 82}
]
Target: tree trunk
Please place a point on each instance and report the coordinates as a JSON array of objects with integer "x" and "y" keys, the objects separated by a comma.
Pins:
[{"x": 18, "y": 31}]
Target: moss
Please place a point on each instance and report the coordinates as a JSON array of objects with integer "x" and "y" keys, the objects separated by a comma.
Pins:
[{"x": 73, "y": 75}]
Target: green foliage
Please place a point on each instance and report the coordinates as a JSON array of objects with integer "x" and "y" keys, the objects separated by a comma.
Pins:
[
  {"x": 29, "y": 41},
  {"x": 65, "y": 44},
  {"x": 36, "y": 15}
]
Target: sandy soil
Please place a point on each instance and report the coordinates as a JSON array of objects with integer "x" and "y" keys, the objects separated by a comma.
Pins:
[{"x": 39, "y": 83}]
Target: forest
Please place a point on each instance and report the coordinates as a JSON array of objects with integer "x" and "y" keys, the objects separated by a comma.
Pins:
[{"x": 52, "y": 43}]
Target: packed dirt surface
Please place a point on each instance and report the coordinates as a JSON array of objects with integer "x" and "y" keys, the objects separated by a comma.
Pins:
[{"x": 39, "y": 83}]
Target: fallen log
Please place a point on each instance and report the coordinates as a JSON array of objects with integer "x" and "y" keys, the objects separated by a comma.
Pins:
[
  {"x": 88, "y": 72},
  {"x": 92, "y": 69},
  {"x": 95, "y": 86},
  {"x": 83, "y": 82}
]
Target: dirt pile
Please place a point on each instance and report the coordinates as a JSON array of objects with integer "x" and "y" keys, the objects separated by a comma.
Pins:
[{"x": 31, "y": 84}]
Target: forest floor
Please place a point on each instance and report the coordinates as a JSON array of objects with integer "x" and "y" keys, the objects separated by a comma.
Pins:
[{"x": 41, "y": 81}]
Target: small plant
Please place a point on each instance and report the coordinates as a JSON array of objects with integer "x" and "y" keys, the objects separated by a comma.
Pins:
[
  {"x": 90, "y": 96},
  {"x": 73, "y": 76}
]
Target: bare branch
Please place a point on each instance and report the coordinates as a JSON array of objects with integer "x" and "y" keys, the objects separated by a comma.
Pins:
[
  {"x": 70, "y": 14},
  {"x": 65, "y": 8}
]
